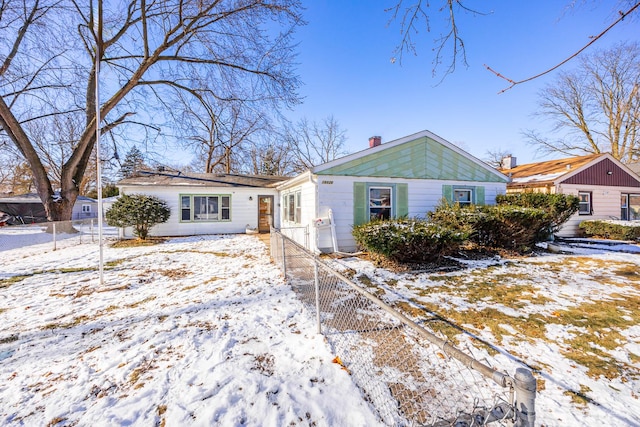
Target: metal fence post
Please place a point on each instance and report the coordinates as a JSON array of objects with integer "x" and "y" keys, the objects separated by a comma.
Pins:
[
  {"x": 317, "y": 291},
  {"x": 525, "y": 385},
  {"x": 91, "y": 230},
  {"x": 54, "y": 236}
]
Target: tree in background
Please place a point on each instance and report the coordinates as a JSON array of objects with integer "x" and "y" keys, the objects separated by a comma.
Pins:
[
  {"x": 150, "y": 50},
  {"x": 314, "y": 143},
  {"x": 418, "y": 16},
  {"x": 15, "y": 176},
  {"x": 138, "y": 211},
  {"x": 108, "y": 190},
  {"x": 132, "y": 163},
  {"x": 220, "y": 131},
  {"x": 598, "y": 104},
  {"x": 493, "y": 157},
  {"x": 270, "y": 158}
]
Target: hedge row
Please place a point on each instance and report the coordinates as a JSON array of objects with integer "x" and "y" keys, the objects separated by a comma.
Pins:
[
  {"x": 610, "y": 230},
  {"x": 516, "y": 223}
]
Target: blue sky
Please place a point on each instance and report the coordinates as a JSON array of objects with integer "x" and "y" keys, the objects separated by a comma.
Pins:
[{"x": 344, "y": 63}]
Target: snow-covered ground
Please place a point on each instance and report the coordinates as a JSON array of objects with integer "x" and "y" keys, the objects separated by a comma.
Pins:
[
  {"x": 196, "y": 331},
  {"x": 530, "y": 309},
  {"x": 204, "y": 331}
]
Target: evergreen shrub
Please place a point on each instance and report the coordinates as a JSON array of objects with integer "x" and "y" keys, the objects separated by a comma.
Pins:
[
  {"x": 139, "y": 211},
  {"x": 409, "y": 240},
  {"x": 610, "y": 230}
]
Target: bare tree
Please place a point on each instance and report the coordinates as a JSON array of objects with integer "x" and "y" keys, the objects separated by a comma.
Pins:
[
  {"x": 148, "y": 50},
  {"x": 494, "y": 157},
  {"x": 419, "y": 16},
  {"x": 269, "y": 157},
  {"x": 597, "y": 106},
  {"x": 416, "y": 18},
  {"x": 313, "y": 143},
  {"x": 219, "y": 131}
]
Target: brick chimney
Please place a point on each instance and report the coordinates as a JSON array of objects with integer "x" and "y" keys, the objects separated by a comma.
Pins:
[{"x": 374, "y": 141}]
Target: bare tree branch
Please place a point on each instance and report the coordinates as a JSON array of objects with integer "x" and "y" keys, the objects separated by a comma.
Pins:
[{"x": 513, "y": 82}]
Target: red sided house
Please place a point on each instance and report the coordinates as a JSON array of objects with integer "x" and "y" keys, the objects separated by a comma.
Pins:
[{"x": 606, "y": 187}]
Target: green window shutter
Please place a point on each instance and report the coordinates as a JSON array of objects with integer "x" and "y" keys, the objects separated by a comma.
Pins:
[
  {"x": 359, "y": 203},
  {"x": 402, "y": 200},
  {"x": 479, "y": 195},
  {"x": 447, "y": 193}
]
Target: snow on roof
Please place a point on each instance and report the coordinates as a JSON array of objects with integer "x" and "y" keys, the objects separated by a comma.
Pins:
[{"x": 547, "y": 171}]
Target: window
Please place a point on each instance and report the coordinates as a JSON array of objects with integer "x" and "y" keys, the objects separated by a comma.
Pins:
[
  {"x": 585, "y": 203},
  {"x": 292, "y": 207},
  {"x": 630, "y": 207},
  {"x": 205, "y": 208},
  {"x": 86, "y": 208},
  {"x": 463, "y": 196},
  {"x": 380, "y": 205}
]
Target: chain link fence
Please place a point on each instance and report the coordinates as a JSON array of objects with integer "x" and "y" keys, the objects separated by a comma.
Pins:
[
  {"x": 54, "y": 235},
  {"x": 412, "y": 376}
]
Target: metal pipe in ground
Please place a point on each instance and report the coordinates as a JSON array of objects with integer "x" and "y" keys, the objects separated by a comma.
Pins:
[{"x": 525, "y": 385}]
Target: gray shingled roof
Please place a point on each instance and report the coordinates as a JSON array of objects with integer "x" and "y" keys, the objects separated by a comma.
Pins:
[{"x": 201, "y": 179}]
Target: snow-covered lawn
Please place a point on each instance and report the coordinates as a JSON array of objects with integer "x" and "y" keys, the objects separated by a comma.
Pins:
[
  {"x": 573, "y": 318},
  {"x": 195, "y": 331},
  {"x": 204, "y": 331}
]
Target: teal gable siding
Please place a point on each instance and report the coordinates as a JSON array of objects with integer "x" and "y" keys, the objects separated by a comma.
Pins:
[{"x": 422, "y": 158}]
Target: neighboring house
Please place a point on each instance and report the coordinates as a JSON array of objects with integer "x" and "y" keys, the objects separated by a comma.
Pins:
[
  {"x": 208, "y": 203},
  {"x": 405, "y": 177},
  {"x": 606, "y": 187},
  {"x": 28, "y": 208}
]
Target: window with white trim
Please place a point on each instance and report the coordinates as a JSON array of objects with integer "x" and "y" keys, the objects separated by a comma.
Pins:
[
  {"x": 86, "y": 208},
  {"x": 380, "y": 203},
  {"x": 585, "y": 203},
  {"x": 205, "y": 208},
  {"x": 463, "y": 196},
  {"x": 292, "y": 207}
]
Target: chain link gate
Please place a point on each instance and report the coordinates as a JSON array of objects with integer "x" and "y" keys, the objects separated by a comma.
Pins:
[{"x": 410, "y": 375}]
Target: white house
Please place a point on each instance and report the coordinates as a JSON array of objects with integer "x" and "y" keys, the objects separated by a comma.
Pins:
[
  {"x": 208, "y": 203},
  {"x": 607, "y": 188},
  {"x": 405, "y": 177},
  {"x": 318, "y": 208}
]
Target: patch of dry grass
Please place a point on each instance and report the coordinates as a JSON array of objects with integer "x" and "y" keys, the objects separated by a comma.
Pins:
[
  {"x": 491, "y": 296},
  {"x": 132, "y": 243}
]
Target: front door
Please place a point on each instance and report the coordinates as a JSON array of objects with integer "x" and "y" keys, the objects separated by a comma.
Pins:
[{"x": 265, "y": 213}]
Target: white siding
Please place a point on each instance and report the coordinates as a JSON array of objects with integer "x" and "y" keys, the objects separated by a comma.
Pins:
[
  {"x": 605, "y": 202},
  {"x": 304, "y": 232},
  {"x": 336, "y": 193},
  {"x": 244, "y": 212}
]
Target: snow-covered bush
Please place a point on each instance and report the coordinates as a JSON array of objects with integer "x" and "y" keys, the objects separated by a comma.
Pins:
[
  {"x": 408, "y": 240},
  {"x": 138, "y": 211}
]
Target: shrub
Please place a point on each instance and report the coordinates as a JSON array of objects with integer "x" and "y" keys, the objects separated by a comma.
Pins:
[
  {"x": 558, "y": 207},
  {"x": 409, "y": 240},
  {"x": 514, "y": 228},
  {"x": 610, "y": 230},
  {"x": 138, "y": 211},
  {"x": 504, "y": 226}
]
